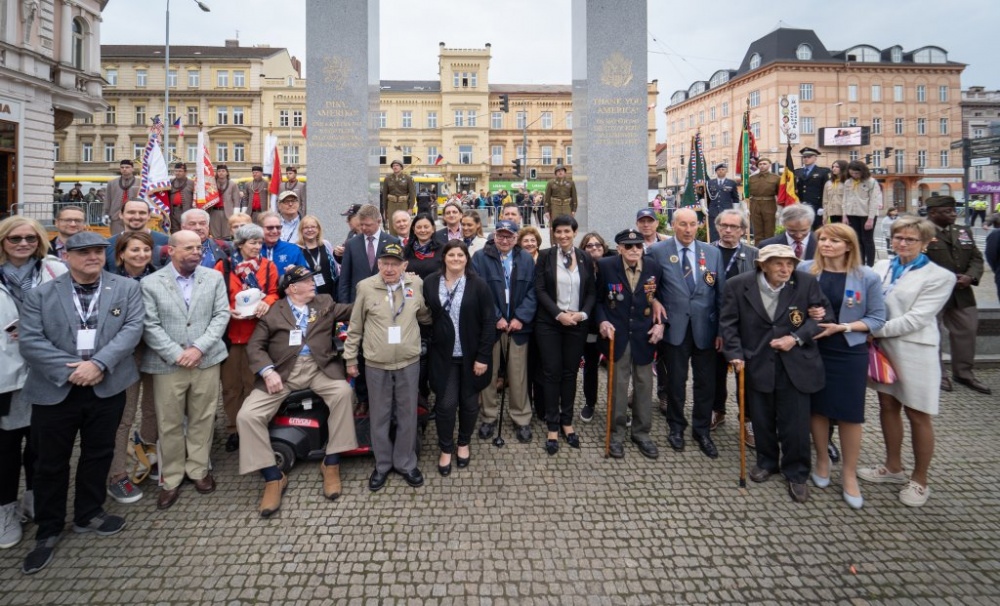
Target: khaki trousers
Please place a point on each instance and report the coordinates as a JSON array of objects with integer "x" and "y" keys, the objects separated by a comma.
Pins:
[
  {"x": 191, "y": 392},
  {"x": 558, "y": 208},
  {"x": 762, "y": 217},
  {"x": 393, "y": 204},
  {"x": 517, "y": 383},
  {"x": 237, "y": 383},
  {"x": 961, "y": 324},
  {"x": 260, "y": 406},
  {"x": 642, "y": 405}
]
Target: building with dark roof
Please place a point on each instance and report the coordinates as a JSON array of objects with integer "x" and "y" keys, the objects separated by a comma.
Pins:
[{"x": 907, "y": 102}]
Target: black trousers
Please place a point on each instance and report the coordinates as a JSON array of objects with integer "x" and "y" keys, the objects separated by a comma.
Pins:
[
  {"x": 591, "y": 364},
  {"x": 535, "y": 395},
  {"x": 15, "y": 452},
  {"x": 866, "y": 237},
  {"x": 722, "y": 387},
  {"x": 560, "y": 348},
  {"x": 702, "y": 363},
  {"x": 817, "y": 220},
  {"x": 662, "y": 372},
  {"x": 451, "y": 401},
  {"x": 53, "y": 431},
  {"x": 781, "y": 425}
]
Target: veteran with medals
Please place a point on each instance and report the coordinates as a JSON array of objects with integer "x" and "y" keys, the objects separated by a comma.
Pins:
[{"x": 399, "y": 192}]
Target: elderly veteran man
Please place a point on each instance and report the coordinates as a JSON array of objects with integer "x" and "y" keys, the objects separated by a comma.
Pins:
[
  {"x": 627, "y": 285},
  {"x": 767, "y": 330},
  {"x": 291, "y": 349},
  {"x": 77, "y": 335},
  {"x": 388, "y": 309}
]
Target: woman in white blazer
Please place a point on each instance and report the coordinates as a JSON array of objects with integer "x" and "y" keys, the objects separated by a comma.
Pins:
[{"x": 915, "y": 291}]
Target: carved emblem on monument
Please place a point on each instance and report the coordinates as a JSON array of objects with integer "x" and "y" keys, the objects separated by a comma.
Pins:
[
  {"x": 336, "y": 71},
  {"x": 617, "y": 71}
]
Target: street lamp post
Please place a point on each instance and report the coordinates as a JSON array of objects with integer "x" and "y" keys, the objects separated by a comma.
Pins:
[{"x": 166, "y": 80}]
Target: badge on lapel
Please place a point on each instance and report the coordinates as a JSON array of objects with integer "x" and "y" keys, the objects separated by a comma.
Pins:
[
  {"x": 674, "y": 258},
  {"x": 796, "y": 317},
  {"x": 116, "y": 311},
  {"x": 710, "y": 278},
  {"x": 408, "y": 293},
  {"x": 312, "y": 315}
]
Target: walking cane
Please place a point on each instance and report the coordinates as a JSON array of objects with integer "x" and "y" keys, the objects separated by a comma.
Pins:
[
  {"x": 611, "y": 394},
  {"x": 499, "y": 441},
  {"x": 743, "y": 429}
]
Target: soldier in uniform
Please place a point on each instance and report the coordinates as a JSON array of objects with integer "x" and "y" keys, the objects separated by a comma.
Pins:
[
  {"x": 763, "y": 200},
  {"x": 723, "y": 194},
  {"x": 954, "y": 248},
  {"x": 181, "y": 195},
  {"x": 560, "y": 197},
  {"x": 120, "y": 191},
  {"x": 229, "y": 200},
  {"x": 292, "y": 183},
  {"x": 399, "y": 192},
  {"x": 809, "y": 183},
  {"x": 256, "y": 194}
]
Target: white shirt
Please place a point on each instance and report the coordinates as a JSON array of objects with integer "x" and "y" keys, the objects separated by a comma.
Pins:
[
  {"x": 567, "y": 284},
  {"x": 805, "y": 242}
]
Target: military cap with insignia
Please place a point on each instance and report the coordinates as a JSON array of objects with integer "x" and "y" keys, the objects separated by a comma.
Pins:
[
  {"x": 628, "y": 236},
  {"x": 809, "y": 151}
]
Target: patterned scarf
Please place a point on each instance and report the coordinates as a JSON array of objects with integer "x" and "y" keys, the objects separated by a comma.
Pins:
[
  {"x": 247, "y": 273},
  {"x": 19, "y": 280},
  {"x": 421, "y": 250}
]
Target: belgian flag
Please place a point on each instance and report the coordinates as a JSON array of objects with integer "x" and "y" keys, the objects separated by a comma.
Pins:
[{"x": 786, "y": 186}]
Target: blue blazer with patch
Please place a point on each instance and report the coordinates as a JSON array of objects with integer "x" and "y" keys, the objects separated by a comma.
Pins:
[{"x": 699, "y": 309}]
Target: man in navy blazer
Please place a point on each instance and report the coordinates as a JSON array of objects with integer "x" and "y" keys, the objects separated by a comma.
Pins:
[
  {"x": 723, "y": 194},
  {"x": 360, "y": 262},
  {"x": 691, "y": 294},
  {"x": 135, "y": 216},
  {"x": 626, "y": 288},
  {"x": 797, "y": 219}
]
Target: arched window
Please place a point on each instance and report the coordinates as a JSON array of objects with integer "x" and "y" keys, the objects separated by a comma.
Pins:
[
  {"x": 930, "y": 54},
  {"x": 78, "y": 46},
  {"x": 864, "y": 54},
  {"x": 718, "y": 78},
  {"x": 804, "y": 52},
  {"x": 755, "y": 61}
]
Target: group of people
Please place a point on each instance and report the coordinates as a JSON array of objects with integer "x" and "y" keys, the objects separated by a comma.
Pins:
[{"x": 99, "y": 332}]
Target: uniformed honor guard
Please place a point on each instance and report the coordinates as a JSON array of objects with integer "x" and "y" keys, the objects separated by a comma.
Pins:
[
  {"x": 954, "y": 248},
  {"x": 723, "y": 194},
  {"x": 399, "y": 192},
  {"x": 809, "y": 183},
  {"x": 181, "y": 195},
  {"x": 120, "y": 191},
  {"x": 256, "y": 194},
  {"x": 560, "y": 196},
  {"x": 229, "y": 200},
  {"x": 763, "y": 200},
  {"x": 626, "y": 288},
  {"x": 292, "y": 183}
]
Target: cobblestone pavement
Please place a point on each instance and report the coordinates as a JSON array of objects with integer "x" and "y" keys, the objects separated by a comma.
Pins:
[{"x": 518, "y": 526}]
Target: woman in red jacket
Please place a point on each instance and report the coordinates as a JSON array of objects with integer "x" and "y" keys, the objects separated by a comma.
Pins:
[{"x": 247, "y": 270}]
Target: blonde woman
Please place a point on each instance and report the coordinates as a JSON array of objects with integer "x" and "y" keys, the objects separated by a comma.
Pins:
[{"x": 319, "y": 256}]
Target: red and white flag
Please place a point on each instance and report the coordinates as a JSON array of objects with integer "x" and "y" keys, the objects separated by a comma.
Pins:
[
  {"x": 205, "y": 192},
  {"x": 275, "y": 186}
]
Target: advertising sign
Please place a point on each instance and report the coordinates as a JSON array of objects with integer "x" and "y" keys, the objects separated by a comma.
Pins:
[{"x": 788, "y": 119}]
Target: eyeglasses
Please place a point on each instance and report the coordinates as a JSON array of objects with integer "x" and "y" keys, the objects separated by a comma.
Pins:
[
  {"x": 19, "y": 239},
  {"x": 593, "y": 245},
  {"x": 631, "y": 246},
  {"x": 290, "y": 201},
  {"x": 500, "y": 236},
  {"x": 273, "y": 228},
  {"x": 905, "y": 240},
  {"x": 725, "y": 226}
]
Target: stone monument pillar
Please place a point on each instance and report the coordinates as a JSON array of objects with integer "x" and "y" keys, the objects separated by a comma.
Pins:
[
  {"x": 610, "y": 159},
  {"x": 342, "y": 101}
]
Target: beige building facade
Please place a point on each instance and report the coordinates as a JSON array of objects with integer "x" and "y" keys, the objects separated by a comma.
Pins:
[
  {"x": 909, "y": 102},
  {"x": 50, "y": 74}
]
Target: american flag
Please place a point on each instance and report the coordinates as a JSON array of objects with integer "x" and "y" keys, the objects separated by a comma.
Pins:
[{"x": 154, "y": 177}]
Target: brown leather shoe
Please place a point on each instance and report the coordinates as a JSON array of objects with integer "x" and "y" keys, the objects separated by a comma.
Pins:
[
  {"x": 799, "y": 492},
  {"x": 270, "y": 503},
  {"x": 331, "y": 480},
  {"x": 205, "y": 485},
  {"x": 945, "y": 384},
  {"x": 974, "y": 384},
  {"x": 167, "y": 498}
]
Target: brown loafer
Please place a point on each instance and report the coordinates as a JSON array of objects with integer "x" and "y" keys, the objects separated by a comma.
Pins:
[
  {"x": 205, "y": 485},
  {"x": 331, "y": 480},
  {"x": 799, "y": 492},
  {"x": 270, "y": 503},
  {"x": 974, "y": 385},
  {"x": 167, "y": 498}
]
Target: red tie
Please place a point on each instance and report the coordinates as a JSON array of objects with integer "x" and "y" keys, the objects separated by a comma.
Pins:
[{"x": 798, "y": 249}]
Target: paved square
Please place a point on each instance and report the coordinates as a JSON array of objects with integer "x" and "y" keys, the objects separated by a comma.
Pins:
[{"x": 520, "y": 527}]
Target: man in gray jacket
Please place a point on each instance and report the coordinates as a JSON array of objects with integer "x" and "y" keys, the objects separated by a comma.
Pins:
[
  {"x": 80, "y": 362},
  {"x": 187, "y": 311}
]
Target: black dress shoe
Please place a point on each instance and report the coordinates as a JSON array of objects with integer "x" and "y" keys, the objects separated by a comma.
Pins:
[
  {"x": 707, "y": 446},
  {"x": 414, "y": 478},
  {"x": 616, "y": 450},
  {"x": 974, "y": 385},
  {"x": 834, "y": 452},
  {"x": 552, "y": 446},
  {"x": 571, "y": 438},
  {"x": 523, "y": 433},
  {"x": 377, "y": 481},
  {"x": 647, "y": 448},
  {"x": 676, "y": 440},
  {"x": 486, "y": 430},
  {"x": 233, "y": 442}
]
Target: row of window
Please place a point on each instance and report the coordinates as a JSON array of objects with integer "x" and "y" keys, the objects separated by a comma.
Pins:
[
  {"x": 290, "y": 154},
  {"x": 223, "y": 115},
  {"x": 496, "y": 154},
  {"x": 875, "y": 95},
  {"x": 469, "y": 117},
  {"x": 193, "y": 78},
  {"x": 867, "y": 54}
]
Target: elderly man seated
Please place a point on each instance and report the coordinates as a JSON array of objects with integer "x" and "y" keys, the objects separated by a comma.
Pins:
[{"x": 291, "y": 349}]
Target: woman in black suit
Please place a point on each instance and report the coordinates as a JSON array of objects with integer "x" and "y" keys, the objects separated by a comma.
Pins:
[
  {"x": 461, "y": 350},
  {"x": 564, "y": 286}
]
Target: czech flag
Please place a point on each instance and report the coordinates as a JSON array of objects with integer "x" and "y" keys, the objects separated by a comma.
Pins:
[
  {"x": 786, "y": 186},
  {"x": 438, "y": 160},
  {"x": 180, "y": 129}
]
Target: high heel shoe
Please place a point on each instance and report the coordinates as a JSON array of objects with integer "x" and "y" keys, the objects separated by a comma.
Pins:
[
  {"x": 819, "y": 481},
  {"x": 855, "y": 502},
  {"x": 571, "y": 438},
  {"x": 552, "y": 446},
  {"x": 445, "y": 470},
  {"x": 463, "y": 463}
]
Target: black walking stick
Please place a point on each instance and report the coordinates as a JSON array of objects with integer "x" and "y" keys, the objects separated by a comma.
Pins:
[{"x": 502, "y": 377}]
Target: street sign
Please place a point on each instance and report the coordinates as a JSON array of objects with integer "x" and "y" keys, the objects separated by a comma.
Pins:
[
  {"x": 981, "y": 162},
  {"x": 988, "y": 150},
  {"x": 995, "y": 140},
  {"x": 958, "y": 144}
]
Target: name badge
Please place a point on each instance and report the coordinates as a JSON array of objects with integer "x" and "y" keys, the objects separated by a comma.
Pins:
[
  {"x": 395, "y": 335},
  {"x": 294, "y": 338},
  {"x": 318, "y": 279},
  {"x": 86, "y": 339},
  {"x": 506, "y": 295}
]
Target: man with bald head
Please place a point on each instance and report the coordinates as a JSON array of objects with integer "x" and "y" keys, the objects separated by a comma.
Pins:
[{"x": 187, "y": 311}]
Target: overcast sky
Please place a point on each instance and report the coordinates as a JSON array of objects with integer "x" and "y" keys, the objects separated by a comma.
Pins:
[{"x": 687, "y": 41}]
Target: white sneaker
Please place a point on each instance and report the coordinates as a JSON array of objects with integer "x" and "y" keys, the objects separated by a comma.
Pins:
[
  {"x": 10, "y": 526},
  {"x": 26, "y": 508},
  {"x": 914, "y": 494},
  {"x": 880, "y": 475}
]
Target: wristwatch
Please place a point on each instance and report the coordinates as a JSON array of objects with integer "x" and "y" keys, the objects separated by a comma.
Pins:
[{"x": 847, "y": 327}]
